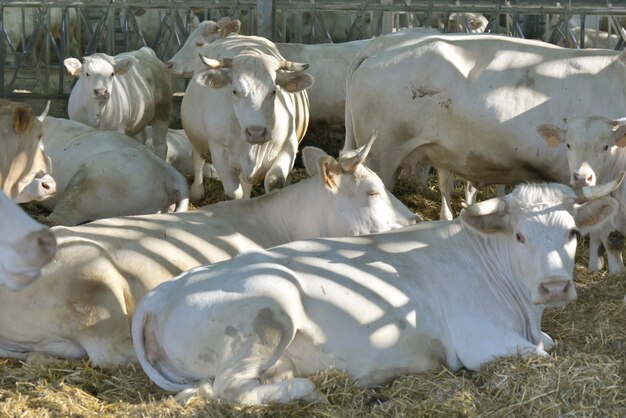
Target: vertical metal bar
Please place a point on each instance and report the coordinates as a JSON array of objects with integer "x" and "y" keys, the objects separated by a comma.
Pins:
[{"x": 265, "y": 18}]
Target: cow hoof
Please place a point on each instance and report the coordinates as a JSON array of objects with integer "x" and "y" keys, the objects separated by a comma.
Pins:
[{"x": 274, "y": 182}]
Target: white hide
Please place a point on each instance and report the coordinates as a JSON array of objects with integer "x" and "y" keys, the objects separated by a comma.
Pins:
[
  {"x": 101, "y": 174},
  {"x": 103, "y": 268},
  {"x": 25, "y": 246},
  {"x": 469, "y": 105},
  {"x": 250, "y": 330},
  {"x": 124, "y": 93}
]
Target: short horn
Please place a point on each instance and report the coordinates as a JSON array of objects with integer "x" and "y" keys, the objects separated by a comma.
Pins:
[
  {"x": 44, "y": 113},
  {"x": 216, "y": 64},
  {"x": 487, "y": 207},
  {"x": 351, "y": 160},
  {"x": 594, "y": 192},
  {"x": 293, "y": 66}
]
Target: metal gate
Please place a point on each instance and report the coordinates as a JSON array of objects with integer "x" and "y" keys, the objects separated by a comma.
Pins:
[{"x": 36, "y": 36}]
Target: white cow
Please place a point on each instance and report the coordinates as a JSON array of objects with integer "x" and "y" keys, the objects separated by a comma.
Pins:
[
  {"x": 469, "y": 104},
  {"x": 101, "y": 174},
  {"x": 124, "y": 93},
  {"x": 246, "y": 109},
  {"x": 24, "y": 167},
  {"x": 249, "y": 330},
  {"x": 596, "y": 155},
  {"x": 25, "y": 246},
  {"x": 103, "y": 268}
]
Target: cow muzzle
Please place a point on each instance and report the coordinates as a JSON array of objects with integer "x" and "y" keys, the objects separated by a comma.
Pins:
[
  {"x": 256, "y": 135},
  {"x": 101, "y": 94},
  {"x": 555, "y": 292}
]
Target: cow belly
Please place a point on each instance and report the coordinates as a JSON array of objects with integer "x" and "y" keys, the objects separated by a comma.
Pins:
[{"x": 61, "y": 349}]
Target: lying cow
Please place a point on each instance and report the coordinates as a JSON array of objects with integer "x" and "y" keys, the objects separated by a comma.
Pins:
[
  {"x": 596, "y": 155},
  {"x": 25, "y": 246},
  {"x": 24, "y": 167},
  {"x": 470, "y": 105},
  {"x": 251, "y": 129},
  {"x": 102, "y": 269},
  {"x": 101, "y": 174},
  {"x": 124, "y": 93},
  {"x": 249, "y": 330}
]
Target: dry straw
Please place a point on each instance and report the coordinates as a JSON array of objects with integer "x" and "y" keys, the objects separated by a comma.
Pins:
[{"x": 583, "y": 376}]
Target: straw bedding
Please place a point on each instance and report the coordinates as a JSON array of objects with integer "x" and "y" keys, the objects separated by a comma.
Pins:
[{"x": 583, "y": 376}]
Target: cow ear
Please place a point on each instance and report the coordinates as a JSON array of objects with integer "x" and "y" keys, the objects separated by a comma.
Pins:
[
  {"x": 552, "y": 134},
  {"x": 234, "y": 26},
  {"x": 122, "y": 66},
  {"x": 73, "y": 66},
  {"x": 214, "y": 78},
  {"x": 329, "y": 169},
  {"x": 593, "y": 215},
  {"x": 293, "y": 82},
  {"x": 22, "y": 118},
  {"x": 619, "y": 133},
  {"x": 310, "y": 158}
]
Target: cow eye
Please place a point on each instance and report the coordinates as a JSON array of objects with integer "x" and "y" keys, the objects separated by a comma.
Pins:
[
  {"x": 605, "y": 148},
  {"x": 86, "y": 74},
  {"x": 112, "y": 74},
  {"x": 568, "y": 146},
  {"x": 235, "y": 92},
  {"x": 199, "y": 44},
  {"x": 373, "y": 193},
  {"x": 519, "y": 237}
]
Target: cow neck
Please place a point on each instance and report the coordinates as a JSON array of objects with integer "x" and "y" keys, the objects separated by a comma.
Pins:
[{"x": 504, "y": 283}]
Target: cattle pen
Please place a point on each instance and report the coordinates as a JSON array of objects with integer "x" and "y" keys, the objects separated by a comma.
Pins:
[{"x": 584, "y": 375}]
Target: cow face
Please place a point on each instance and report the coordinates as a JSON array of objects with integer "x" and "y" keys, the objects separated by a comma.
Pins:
[
  {"x": 255, "y": 80},
  {"x": 25, "y": 246},
  {"x": 535, "y": 231},
  {"x": 186, "y": 59},
  {"x": 22, "y": 158},
  {"x": 590, "y": 143},
  {"x": 356, "y": 193},
  {"x": 97, "y": 73}
]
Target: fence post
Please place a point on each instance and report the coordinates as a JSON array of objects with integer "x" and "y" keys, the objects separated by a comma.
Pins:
[{"x": 265, "y": 18}]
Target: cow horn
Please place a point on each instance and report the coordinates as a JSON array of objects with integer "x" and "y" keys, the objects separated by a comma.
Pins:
[
  {"x": 43, "y": 115},
  {"x": 593, "y": 192},
  {"x": 292, "y": 66},
  {"x": 216, "y": 64},
  {"x": 487, "y": 207},
  {"x": 348, "y": 163}
]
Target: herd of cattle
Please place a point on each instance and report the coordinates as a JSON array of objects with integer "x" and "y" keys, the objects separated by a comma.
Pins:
[{"x": 241, "y": 300}]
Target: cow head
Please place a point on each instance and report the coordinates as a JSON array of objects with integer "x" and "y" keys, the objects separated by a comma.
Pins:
[
  {"x": 183, "y": 63},
  {"x": 355, "y": 192},
  {"x": 590, "y": 143},
  {"x": 22, "y": 160},
  {"x": 535, "y": 230},
  {"x": 254, "y": 80},
  {"x": 25, "y": 246},
  {"x": 97, "y": 72}
]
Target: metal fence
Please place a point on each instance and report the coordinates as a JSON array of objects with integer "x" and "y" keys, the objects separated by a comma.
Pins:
[{"x": 38, "y": 35}]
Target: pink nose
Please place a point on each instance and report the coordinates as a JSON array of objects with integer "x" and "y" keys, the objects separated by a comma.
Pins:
[
  {"x": 48, "y": 186},
  {"x": 256, "y": 134},
  {"x": 555, "y": 291},
  {"x": 583, "y": 178}
]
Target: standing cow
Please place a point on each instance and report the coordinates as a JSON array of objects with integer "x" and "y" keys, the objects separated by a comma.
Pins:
[
  {"x": 470, "y": 105},
  {"x": 124, "y": 93},
  {"x": 101, "y": 174},
  {"x": 24, "y": 167},
  {"x": 250, "y": 330},
  {"x": 246, "y": 109},
  {"x": 596, "y": 155},
  {"x": 83, "y": 304}
]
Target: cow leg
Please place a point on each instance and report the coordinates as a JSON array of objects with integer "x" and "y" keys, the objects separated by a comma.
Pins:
[
  {"x": 470, "y": 193},
  {"x": 276, "y": 176},
  {"x": 159, "y": 138},
  {"x": 446, "y": 185},
  {"x": 286, "y": 391},
  {"x": 196, "y": 191},
  {"x": 227, "y": 173},
  {"x": 614, "y": 245}
]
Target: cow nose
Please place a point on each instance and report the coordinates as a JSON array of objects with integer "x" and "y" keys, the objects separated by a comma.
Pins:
[
  {"x": 101, "y": 92},
  {"x": 583, "y": 178},
  {"x": 555, "y": 291},
  {"x": 256, "y": 134},
  {"x": 49, "y": 185},
  {"x": 47, "y": 244}
]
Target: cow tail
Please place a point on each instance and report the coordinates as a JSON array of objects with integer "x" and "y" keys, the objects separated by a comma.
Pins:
[{"x": 150, "y": 352}]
